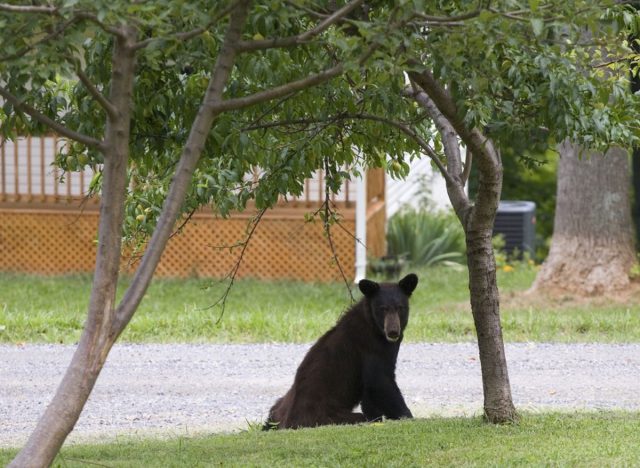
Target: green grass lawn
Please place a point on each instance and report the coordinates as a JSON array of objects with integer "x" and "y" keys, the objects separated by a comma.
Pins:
[
  {"x": 583, "y": 439},
  {"x": 52, "y": 310}
]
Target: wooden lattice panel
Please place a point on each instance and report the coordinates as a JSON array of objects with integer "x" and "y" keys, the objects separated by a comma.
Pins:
[
  {"x": 47, "y": 242},
  {"x": 281, "y": 247},
  {"x": 43, "y": 231}
]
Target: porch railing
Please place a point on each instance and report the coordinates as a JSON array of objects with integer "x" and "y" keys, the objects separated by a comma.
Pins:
[{"x": 28, "y": 178}]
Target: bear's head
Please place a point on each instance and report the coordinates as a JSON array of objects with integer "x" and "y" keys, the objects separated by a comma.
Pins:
[{"x": 388, "y": 304}]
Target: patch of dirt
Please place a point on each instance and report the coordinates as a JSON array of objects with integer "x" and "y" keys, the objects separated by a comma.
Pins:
[{"x": 556, "y": 298}]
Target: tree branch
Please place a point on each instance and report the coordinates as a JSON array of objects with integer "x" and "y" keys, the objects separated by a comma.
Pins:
[
  {"x": 253, "y": 224},
  {"x": 245, "y": 46},
  {"x": 279, "y": 91},
  {"x": 468, "y": 161},
  {"x": 515, "y": 16},
  {"x": 186, "y": 166},
  {"x": 46, "y": 38},
  {"x": 289, "y": 88},
  {"x": 108, "y": 29},
  {"x": 473, "y": 138},
  {"x": 487, "y": 158},
  {"x": 328, "y": 213},
  {"x": 309, "y": 11},
  {"x": 52, "y": 124},
  {"x": 97, "y": 95},
  {"x": 414, "y": 136},
  {"x": 185, "y": 36},
  {"x": 447, "y": 19},
  {"x": 28, "y": 9},
  {"x": 446, "y": 130},
  {"x": 403, "y": 127},
  {"x": 455, "y": 185}
]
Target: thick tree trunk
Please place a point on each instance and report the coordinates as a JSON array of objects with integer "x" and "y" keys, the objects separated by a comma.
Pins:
[
  {"x": 635, "y": 87},
  {"x": 592, "y": 248},
  {"x": 635, "y": 169}
]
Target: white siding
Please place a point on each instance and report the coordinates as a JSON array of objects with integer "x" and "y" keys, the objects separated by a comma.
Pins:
[
  {"x": 27, "y": 169},
  {"x": 411, "y": 190}
]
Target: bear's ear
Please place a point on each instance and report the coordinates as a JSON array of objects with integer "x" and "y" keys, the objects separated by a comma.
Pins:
[
  {"x": 408, "y": 283},
  {"x": 368, "y": 287}
]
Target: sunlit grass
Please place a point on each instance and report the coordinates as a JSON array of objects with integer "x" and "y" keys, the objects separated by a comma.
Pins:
[
  {"x": 583, "y": 439},
  {"x": 52, "y": 310}
]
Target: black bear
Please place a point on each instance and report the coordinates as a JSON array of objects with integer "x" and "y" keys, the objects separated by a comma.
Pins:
[{"x": 352, "y": 363}]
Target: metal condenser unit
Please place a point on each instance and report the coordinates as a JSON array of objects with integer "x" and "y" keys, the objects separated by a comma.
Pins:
[{"x": 516, "y": 221}]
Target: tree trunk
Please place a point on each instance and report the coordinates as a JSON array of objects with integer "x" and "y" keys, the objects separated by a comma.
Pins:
[
  {"x": 635, "y": 158},
  {"x": 483, "y": 286},
  {"x": 105, "y": 322},
  {"x": 485, "y": 307},
  {"x": 97, "y": 337},
  {"x": 592, "y": 248},
  {"x": 635, "y": 169},
  {"x": 477, "y": 221}
]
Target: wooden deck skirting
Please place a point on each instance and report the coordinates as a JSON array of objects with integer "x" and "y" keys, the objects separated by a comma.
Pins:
[
  {"x": 48, "y": 227},
  {"x": 283, "y": 246}
]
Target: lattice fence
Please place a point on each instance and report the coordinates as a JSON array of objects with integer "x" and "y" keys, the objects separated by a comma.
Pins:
[
  {"x": 44, "y": 229},
  {"x": 64, "y": 242},
  {"x": 47, "y": 242},
  {"x": 280, "y": 248}
]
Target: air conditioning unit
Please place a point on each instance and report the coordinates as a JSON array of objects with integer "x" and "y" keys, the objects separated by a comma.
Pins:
[{"x": 516, "y": 221}]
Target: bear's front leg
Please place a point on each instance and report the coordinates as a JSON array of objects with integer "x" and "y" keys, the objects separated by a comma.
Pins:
[
  {"x": 381, "y": 395},
  {"x": 369, "y": 408}
]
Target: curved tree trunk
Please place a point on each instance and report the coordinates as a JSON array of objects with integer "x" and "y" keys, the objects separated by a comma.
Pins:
[
  {"x": 477, "y": 221},
  {"x": 97, "y": 337},
  {"x": 592, "y": 248},
  {"x": 106, "y": 321},
  {"x": 483, "y": 286}
]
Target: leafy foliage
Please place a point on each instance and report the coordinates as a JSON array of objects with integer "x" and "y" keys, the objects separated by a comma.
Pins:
[
  {"x": 525, "y": 71},
  {"x": 425, "y": 238}
]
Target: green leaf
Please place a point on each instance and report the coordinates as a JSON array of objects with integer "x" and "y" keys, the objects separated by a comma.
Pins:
[{"x": 537, "y": 25}]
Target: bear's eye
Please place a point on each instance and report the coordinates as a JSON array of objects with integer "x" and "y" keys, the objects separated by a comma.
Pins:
[{"x": 393, "y": 309}]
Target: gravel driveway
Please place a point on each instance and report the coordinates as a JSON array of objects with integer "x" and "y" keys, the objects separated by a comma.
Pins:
[{"x": 187, "y": 389}]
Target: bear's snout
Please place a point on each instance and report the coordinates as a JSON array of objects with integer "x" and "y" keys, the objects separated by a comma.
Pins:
[{"x": 392, "y": 327}]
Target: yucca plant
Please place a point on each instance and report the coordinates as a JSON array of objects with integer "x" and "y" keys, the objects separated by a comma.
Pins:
[{"x": 425, "y": 237}]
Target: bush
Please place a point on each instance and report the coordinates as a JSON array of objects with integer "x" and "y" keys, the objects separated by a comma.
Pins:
[{"x": 425, "y": 237}]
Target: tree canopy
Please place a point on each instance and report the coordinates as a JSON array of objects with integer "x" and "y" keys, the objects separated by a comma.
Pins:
[{"x": 314, "y": 85}]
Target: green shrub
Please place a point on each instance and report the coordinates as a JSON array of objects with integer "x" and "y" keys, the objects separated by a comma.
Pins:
[{"x": 425, "y": 238}]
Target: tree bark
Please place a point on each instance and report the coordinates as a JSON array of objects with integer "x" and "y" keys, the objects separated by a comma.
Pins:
[
  {"x": 477, "y": 221},
  {"x": 207, "y": 113},
  {"x": 635, "y": 158},
  {"x": 485, "y": 307},
  {"x": 635, "y": 177},
  {"x": 97, "y": 337},
  {"x": 483, "y": 287},
  {"x": 106, "y": 322},
  {"x": 592, "y": 248}
]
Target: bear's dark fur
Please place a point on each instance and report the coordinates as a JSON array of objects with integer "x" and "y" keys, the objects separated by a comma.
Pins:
[{"x": 352, "y": 363}]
